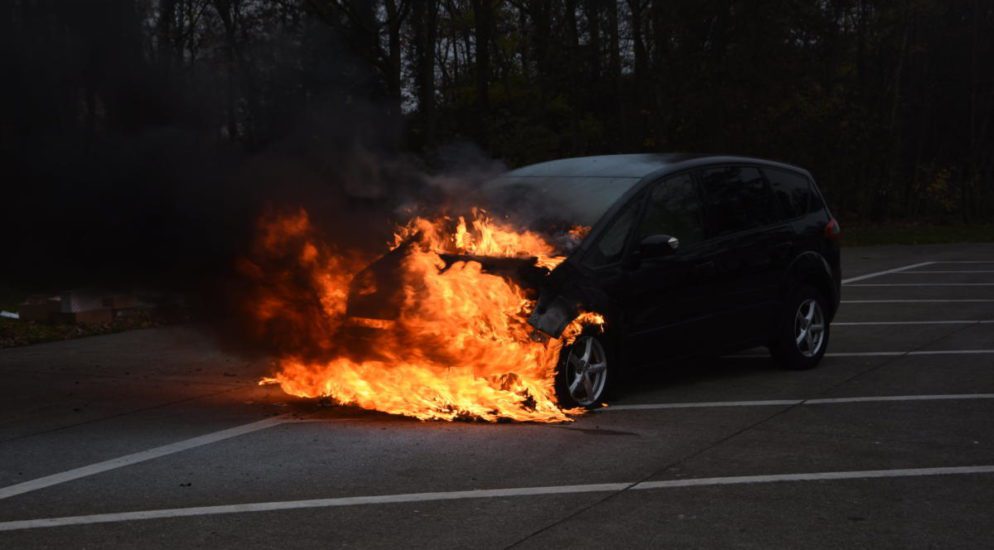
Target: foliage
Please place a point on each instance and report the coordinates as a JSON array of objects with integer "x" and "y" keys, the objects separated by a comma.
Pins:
[{"x": 890, "y": 104}]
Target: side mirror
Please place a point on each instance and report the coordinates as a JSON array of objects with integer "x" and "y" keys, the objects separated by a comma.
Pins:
[{"x": 658, "y": 246}]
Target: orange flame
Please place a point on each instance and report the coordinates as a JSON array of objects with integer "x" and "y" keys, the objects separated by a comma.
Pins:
[{"x": 460, "y": 346}]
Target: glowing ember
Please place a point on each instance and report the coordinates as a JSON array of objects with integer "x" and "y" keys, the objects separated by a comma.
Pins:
[{"x": 460, "y": 346}]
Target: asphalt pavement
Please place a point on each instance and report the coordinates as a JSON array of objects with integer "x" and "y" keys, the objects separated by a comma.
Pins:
[{"x": 157, "y": 439}]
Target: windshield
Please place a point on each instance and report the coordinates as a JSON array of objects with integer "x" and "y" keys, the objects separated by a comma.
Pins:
[{"x": 550, "y": 204}]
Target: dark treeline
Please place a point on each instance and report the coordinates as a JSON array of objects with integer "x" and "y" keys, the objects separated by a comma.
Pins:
[{"x": 889, "y": 103}]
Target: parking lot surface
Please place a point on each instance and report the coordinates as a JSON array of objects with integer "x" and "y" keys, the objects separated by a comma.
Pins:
[{"x": 156, "y": 439}]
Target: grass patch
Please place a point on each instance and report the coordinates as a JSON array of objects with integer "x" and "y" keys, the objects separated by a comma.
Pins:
[
  {"x": 869, "y": 235},
  {"x": 14, "y": 332}
]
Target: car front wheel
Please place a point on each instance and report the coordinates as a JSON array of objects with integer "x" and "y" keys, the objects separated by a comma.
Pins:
[
  {"x": 802, "y": 332},
  {"x": 582, "y": 374}
]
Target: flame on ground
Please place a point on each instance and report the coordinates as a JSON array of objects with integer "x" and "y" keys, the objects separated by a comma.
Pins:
[{"x": 460, "y": 347}]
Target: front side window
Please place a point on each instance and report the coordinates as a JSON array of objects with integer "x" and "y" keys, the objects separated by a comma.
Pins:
[
  {"x": 611, "y": 243},
  {"x": 674, "y": 209},
  {"x": 736, "y": 199}
]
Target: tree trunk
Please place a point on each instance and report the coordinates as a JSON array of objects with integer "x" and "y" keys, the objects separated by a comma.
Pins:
[
  {"x": 614, "y": 68},
  {"x": 483, "y": 20},
  {"x": 395, "y": 19},
  {"x": 424, "y": 14}
]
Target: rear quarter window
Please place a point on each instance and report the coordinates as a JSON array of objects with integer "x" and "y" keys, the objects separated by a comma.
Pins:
[{"x": 794, "y": 193}]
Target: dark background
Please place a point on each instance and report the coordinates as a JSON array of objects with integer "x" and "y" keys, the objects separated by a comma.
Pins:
[{"x": 142, "y": 138}]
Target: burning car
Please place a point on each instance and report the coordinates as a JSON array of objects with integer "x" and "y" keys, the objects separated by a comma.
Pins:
[{"x": 659, "y": 256}]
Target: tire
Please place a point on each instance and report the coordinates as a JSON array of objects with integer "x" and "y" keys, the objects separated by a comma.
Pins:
[
  {"x": 583, "y": 372},
  {"x": 801, "y": 333}
]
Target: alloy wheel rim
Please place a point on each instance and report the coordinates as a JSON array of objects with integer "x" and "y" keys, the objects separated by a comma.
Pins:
[
  {"x": 586, "y": 370},
  {"x": 809, "y": 328}
]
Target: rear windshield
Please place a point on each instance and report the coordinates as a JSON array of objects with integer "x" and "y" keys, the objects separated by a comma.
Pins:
[{"x": 550, "y": 203}]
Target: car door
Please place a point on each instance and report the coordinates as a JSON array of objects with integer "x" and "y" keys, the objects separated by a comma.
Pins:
[
  {"x": 738, "y": 214},
  {"x": 665, "y": 297}
]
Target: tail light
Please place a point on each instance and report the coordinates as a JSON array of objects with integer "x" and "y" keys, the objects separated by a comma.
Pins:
[{"x": 833, "y": 231}]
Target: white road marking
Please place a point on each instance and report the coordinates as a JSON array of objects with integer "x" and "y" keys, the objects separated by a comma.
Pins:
[
  {"x": 921, "y": 284},
  {"x": 926, "y": 301},
  {"x": 884, "y": 323},
  {"x": 814, "y": 476},
  {"x": 880, "y": 353},
  {"x": 313, "y": 503},
  {"x": 879, "y": 273},
  {"x": 963, "y": 262},
  {"x": 912, "y": 353},
  {"x": 791, "y": 402},
  {"x": 699, "y": 405},
  {"x": 946, "y": 272},
  {"x": 883, "y": 398},
  {"x": 135, "y": 458},
  {"x": 484, "y": 493}
]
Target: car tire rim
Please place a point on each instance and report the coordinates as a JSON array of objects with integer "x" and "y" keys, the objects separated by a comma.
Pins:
[
  {"x": 586, "y": 370},
  {"x": 809, "y": 328}
]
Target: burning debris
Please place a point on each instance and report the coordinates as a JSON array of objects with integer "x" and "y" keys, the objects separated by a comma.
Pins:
[{"x": 434, "y": 329}]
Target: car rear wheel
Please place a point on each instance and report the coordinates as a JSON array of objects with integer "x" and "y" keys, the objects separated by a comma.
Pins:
[
  {"x": 582, "y": 374},
  {"x": 802, "y": 333}
]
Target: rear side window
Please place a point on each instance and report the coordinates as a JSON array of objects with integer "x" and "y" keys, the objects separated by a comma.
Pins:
[
  {"x": 675, "y": 210},
  {"x": 735, "y": 199},
  {"x": 611, "y": 244},
  {"x": 793, "y": 192}
]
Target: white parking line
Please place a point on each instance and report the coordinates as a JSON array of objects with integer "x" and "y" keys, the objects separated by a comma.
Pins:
[
  {"x": 791, "y": 402},
  {"x": 910, "y": 353},
  {"x": 919, "y": 272},
  {"x": 879, "y": 273},
  {"x": 879, "y": 353},
  {"x": 815, "y": 476},
  {"x": 485, "y": 493},
  {"x": 884, "y": 323},
  {"x": 135, "y": 458},
  {"x": 925, "y": 301},
  {"x": 921, "y": 284},
  {"x": 700, "y": 405}
]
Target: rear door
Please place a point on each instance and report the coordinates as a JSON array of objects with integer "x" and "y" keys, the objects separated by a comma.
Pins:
[{"x": 739, "y": 213}]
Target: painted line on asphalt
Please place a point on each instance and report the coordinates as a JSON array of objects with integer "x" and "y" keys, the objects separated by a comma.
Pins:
[
  {"x": 135, "y": 458},
  {"x": 925, "y": 301},
  {"x": 879, "y": 273},
  {"x": 792, "y": 402},
  {"x": 485, "y": 493},
  {"x": 814, "y": 476},
  {"x": 887, "y": 398},
  {"x": 312, "y": 503},
  {"x": 919, "y": 284},
  {"x": 700, "y": 405},
  {"x": 878, "y": 353},
  {"x": 887, "y": 323},
  {"x": 963, "y": 262},
  {"x": 946, "y": 272}
]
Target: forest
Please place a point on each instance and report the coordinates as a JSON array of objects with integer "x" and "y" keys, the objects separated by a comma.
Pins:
[{"x": 890, "y": 103}]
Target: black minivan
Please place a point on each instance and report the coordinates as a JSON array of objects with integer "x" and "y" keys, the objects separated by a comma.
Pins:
[{"x": 687, "y": 255}]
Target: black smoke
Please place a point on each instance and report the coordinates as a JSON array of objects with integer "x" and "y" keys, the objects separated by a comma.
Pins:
[{"x": 118, "y": 173}]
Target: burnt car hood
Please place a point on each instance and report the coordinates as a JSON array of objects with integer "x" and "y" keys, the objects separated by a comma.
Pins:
[{"x": 377, "y": 291}]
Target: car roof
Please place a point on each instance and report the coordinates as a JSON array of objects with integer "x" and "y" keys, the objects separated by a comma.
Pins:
[
  {"x": 604, "y": 166},
  {"x": 632, "y": 165}
]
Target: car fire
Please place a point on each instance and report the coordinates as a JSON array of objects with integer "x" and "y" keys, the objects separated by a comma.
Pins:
[{"x": 449, "y": 339}]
